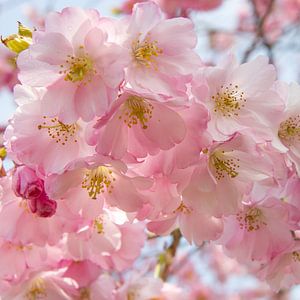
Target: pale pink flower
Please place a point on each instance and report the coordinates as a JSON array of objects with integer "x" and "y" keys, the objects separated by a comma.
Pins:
[
  {"x": 196, "y": 223},
  {"x": 283, "y": 271},
  {"x": 107, "y": 244},
  {"x": 162, "y": 55},
  {"x": 237, "y": 100},
  {"x": 15, "y": 259},
  {"x": 287, "y": 126},
  {"x": 72, "y": 58},
  {"x": 141, "y": 287},
  {"x": 224, "y": 174},
  {"x": 102, "y": 178},
  {"x": 83, "y": 272},
  {"x": 18, "y": 222},
  {"x": 44, "y": 285},
  {"x": 43, "y": 143},
  {"x": 138, "y": 125},
  {"x": 260, "y": 230},
  {"x": 102, "y": 288}
]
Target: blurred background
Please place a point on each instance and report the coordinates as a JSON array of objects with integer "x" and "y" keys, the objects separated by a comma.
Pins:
[{"x": 245, "y": 28}]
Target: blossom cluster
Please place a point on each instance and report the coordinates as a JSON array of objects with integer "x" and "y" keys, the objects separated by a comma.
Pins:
[{"x": 121, "y": 129}]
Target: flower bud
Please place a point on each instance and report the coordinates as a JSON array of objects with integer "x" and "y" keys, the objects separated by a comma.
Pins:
[
  {"x": 42, "y": 206},
  {"x": 20, "y": 41},
  {"x": 26, "y": 184}
]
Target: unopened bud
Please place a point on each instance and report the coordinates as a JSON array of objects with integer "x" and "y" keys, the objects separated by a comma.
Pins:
[
  {"x": 26, "y": 184},
  {"x": 43, "y": 206}
]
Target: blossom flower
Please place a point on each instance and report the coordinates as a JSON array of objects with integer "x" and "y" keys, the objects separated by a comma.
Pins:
[
  {"x": 162, "y": 56},
  {"x": 283, "y": 270},
  {"x": 74, "y": 61},
  {"x": 260, "y": 230},
  {"x": 139, "y": 125},
  {"x": 287, "y": 127},
  {"x": 43, "y": 143},
  {"x": 102, "y": 178},
  {"x": 106, "y": 243},
  {"x": 237, "y": 103}
]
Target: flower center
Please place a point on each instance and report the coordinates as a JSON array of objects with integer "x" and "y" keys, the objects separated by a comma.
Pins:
[
  {"x": 98, "y": 225},
  {"x": 289, "y": 130},
  {"x": 229, "y": 100},
  {"x": 182, "y": 208},
  {"x": 136, "y": 110},
  {"x": 85, "y": 294},
  {"x": 59, "y": 131},
  {"x": 78, "y": 68},
  {"x": 252, "y": 220},
  {"x": 296, "y": 256},
  {"x": 37, "y": 290},
  {"x": 145, "y": 51},
  {"x": 97, "y": 180},
  {"x": 224, "y": 165}
]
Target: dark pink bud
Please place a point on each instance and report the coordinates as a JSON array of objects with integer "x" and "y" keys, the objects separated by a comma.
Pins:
[
  {"x": 26, "y": 184},
  {"x": 43, "y": 206}
]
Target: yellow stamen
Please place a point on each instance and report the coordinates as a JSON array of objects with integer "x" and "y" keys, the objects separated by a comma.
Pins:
[
  {"x": 182, "y": 208},
  {"x": 136, "y": 110},
  {"x": 144, "y": 52},
  {"x": 229, "y": 100},
  {"x": 98, "y": 225},
  {"x": 251, "y": 220},
  {"x": 37, "y": 290},
  {"x": 289, "y": 130},
  {"x": 224, "y": 165},
  {"x": 97, "y": 180},
  {"x": 60, "y": 132},
  {"x": 79, "y": 68}
]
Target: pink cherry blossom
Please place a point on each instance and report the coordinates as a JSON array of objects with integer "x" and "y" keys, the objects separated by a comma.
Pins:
[
  {"x": 260, "y": 230},
  {"x": 237, "y": 103},
  {"x": 162, "y": 56},
  {"x": 41, "y": 142},
  {"x": 81, "y": 70},
  {"x": 140, "y": 125},
  {"x": 102, "y": 178}
]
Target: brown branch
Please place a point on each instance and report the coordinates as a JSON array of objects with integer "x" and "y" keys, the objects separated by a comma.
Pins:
[
  {"x": 165, "y": 260},
  {"x": 260, "y": 33}
]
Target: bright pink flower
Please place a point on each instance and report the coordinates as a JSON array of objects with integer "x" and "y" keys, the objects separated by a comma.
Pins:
[
  {"x": 42, "y": 206},
  {"x": 26, "y": 183},
  {"x": 237, "y": 101},
  {"x": 162, "y": 56},
  {"x": 72, "y": 58},
  {"x": 43, "y": 143},
  {"x": 138, "y": 125},
  {"x": 260, "y": 231}
]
